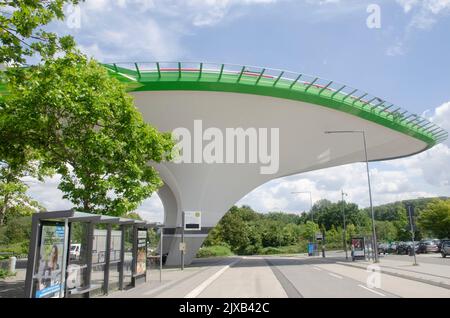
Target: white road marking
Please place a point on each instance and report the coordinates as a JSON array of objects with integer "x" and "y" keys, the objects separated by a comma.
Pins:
[
  {"x": 371, "y": 290},
  {"x": 334, "y": 275},
  {"x": 199, "y": 289},
  {"x": 317, "y": 268}
]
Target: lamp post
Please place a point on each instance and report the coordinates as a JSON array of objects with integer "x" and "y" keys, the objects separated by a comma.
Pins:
[
  {"x": 374, "y": 234},
  {"x": 412, "y": 234},
  {"x": 345, "y": 226},
  {"x": 161, "y": 233}
]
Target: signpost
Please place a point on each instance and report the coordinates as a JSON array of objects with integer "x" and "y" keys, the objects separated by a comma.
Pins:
[
  {"x": 192, "y": 221},
  {"x": 412, "y": 234}
]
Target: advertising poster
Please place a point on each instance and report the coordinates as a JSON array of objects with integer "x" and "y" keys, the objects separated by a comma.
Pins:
[
  {"x": 358, "y": 247},
  {"x": 49, "y": 275},
  {"x": 141, "y": 253}
]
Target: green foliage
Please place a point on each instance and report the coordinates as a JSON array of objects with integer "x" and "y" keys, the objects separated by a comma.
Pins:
[
  {"x": 87, "y": 129},
  {"x": 214, "y": 251},
  {"x": 309, "y": 230},
  {"x": 4, "y": 273},
  {"x": 328, "y": 214},
  {"x": 21, "y": 32},
  {"x": 387, "y": 231},
  {"x": 247, "y": 232},
  {"x": 134, "y": 216},
  {"x": 435, "y": 219},
  {"x": 291, "y": 249},
  {"x": 17, "y": 230},
  {"x": 14, "y": 202},
  {"x": 15, "y": 249}
]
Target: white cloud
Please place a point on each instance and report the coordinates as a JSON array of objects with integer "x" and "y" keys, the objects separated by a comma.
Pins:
[{"x": 424, "y": 15}]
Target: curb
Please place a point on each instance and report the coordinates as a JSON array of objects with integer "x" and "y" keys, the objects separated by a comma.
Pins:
[{"x": 417, "y": 279}]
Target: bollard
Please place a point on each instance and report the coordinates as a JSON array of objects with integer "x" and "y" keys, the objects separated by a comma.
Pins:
[{"x": 12, "y": 264}]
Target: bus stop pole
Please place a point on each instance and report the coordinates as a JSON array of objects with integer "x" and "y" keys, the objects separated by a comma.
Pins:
[
  {"x": 182, "y": 241},
  {"x": 161, "y": 253}
]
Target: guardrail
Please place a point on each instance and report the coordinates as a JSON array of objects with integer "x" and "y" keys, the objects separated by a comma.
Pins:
[{"x": 141, "y": 72}]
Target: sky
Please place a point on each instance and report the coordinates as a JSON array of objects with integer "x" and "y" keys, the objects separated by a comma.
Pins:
[{"x": 396, "y": 49}]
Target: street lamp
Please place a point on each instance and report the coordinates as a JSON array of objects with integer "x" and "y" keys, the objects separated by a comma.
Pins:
[
  {"x": 412, "y": 234},
  {"x": 363, "y": 133},
  {"x": 345, "y": 226}
]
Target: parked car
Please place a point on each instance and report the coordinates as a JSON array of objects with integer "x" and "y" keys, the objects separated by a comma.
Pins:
[
  {"x": 445, "y": 248},
  {"x": 392, "y": 249},
  {"x": 428, "y": 246},
  {"x": 383, "y": 248},
  {"x": 404, "y": 248}
]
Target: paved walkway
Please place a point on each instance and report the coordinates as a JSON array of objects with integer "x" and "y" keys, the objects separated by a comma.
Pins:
[
  {"x": 433, "y": 274},
  {"x": 14, "y": 286}
]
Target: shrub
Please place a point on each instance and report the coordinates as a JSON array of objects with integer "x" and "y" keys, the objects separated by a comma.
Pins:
[
  {"x": 214, "y": 251},
  {"x": 15, "y": 249},
  {"x": 4, "y": 273}
]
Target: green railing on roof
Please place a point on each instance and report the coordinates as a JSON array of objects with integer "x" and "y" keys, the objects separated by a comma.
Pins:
[{"x": 277, "y": 83}]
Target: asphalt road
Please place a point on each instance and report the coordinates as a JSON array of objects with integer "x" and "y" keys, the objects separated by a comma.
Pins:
[
  {"x": 286, "y": 277},
  {"x": 280, "y": 277}
]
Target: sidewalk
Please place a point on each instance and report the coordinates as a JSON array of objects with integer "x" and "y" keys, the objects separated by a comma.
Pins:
[
  {"x": 433, "y": 274},
  {"x": 184, "y": 281},
  {"x": 14, "y": 286}
]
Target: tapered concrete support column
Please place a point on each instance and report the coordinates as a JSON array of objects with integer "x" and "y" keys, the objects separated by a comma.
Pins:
[
  {"x": 172, "y": 231},
  {"x": 193, "y": 242}
]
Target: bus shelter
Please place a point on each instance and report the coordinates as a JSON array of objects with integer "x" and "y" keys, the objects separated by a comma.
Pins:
[{"x": 76, "y": 254}]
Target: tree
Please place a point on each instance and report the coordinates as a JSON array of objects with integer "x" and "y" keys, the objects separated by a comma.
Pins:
[
  {"x": 86, "y": 128},
  {"x": 435, "y": 219},
  {"x": 21, "y": 29},
  {"x": 328, "y": 214},
  {"x": 309, "y": 230},
  {"x": 234, "y": 230},
  {"x": 386, "y": 231},
  {"x": 22, "y": 36},
  {"x": 134, "y": 216},
  {"x": 14, "y": 201}
]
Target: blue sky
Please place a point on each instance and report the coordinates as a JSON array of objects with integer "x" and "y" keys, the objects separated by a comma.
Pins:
[{"x": 404, "y": 61}]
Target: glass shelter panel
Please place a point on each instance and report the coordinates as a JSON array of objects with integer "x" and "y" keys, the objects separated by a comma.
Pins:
[
  {"x": 77, "y": 269},
  {"x": 128, "y": 256},
  {"x": 114, "y": 261}
]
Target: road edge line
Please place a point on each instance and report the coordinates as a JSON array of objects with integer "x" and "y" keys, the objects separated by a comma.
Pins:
[
  {"x": 372, "y": 290},
  {"x": 200, "y": 288},
  {"x": 289, "y": 288}
]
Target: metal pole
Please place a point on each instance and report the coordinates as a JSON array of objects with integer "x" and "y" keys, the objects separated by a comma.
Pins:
[
  {"x": 182, "y": 241},
  {"x": 345, "y": 226},
  {"x": 412, "y": 235},
  {"x": 64, "y": 259},
  {"x": 161, "y": 253},
  {"x": 374, "y": 234}
]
